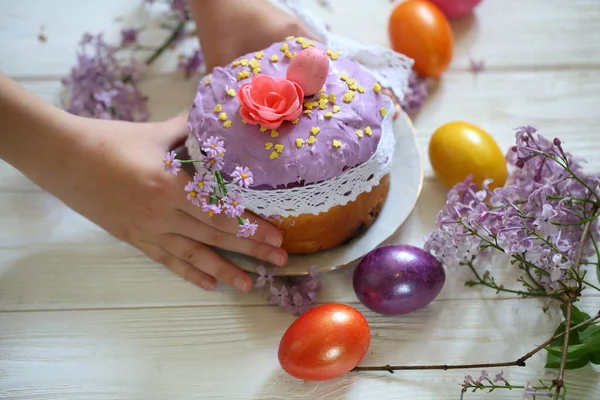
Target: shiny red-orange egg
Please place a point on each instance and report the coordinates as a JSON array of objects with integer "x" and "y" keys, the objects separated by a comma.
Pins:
[{"x": 324, "y": 342}]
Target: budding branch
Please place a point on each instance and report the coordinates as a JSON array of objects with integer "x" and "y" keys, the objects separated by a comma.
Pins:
[{"x": 520, "y": 362}]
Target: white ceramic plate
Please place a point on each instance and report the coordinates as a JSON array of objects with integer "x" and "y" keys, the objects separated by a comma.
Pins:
[{"x": 406, "y": 181}]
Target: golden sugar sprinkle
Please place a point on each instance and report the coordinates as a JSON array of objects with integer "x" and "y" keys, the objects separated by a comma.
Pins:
[
  {"x": 310, "y": 104},
  {"x": 242, "y": 75},
  {"x": 348, "y": 96}
]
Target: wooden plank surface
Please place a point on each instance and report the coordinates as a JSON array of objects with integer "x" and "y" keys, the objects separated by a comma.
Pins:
[
  {"x": 504, "y": 33},
  {"x": 85, "y": 317},
  {"x": 231, "y": 352}
]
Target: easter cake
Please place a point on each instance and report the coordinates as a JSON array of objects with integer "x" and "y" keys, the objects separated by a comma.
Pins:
[{"x": 314, "y": 128}]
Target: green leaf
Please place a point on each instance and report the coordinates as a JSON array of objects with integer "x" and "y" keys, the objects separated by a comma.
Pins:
[
  {"x": 578, "y": 350},
  {"x": 586, "y": 334},
  {"x": 573, "y": 337},
  {"x": 577, "y": 316},
  {"x": 554, "y": 362},
  {"x": 595, "y": 358}
]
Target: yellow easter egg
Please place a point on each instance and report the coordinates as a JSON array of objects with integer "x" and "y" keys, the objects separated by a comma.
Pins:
[{"x": 458, "y": 149}]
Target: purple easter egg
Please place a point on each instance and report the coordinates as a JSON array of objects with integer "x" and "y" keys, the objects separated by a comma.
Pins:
[{"x": 398, "y": 279}]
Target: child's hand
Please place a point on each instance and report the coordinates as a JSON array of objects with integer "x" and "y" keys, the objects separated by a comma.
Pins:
[
  {"x": 228, "y": 29},
  {"x": 115, "y": 179}
]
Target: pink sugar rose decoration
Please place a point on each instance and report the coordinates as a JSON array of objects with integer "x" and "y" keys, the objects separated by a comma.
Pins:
[{"x": 269, "y": 101}]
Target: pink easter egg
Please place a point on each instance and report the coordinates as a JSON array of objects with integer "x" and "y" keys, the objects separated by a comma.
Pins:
[
  {"x": 309, "y": 69},
  {"x": 456, "y": 8}
]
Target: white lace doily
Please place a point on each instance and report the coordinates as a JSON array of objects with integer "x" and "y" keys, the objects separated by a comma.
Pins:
[{"x": 392, "y": 70}]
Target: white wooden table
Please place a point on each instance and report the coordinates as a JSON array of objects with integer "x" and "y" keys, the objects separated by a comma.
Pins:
[{"x": 83, "y": 316}]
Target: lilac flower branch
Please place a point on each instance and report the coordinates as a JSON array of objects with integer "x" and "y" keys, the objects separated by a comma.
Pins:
[
  {"x": 208, "y": 188},
  {"x": 102, "y": 85}
]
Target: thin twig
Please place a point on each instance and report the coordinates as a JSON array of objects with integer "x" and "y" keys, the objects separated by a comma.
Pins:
[
  {"x": 559, "y": 382},
  {"x": 520, "y": 362},
  {"x": 168, "y": 42}
]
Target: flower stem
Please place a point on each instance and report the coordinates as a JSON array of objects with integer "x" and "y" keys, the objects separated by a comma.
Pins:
[
  {"x": 583, "y": 221},
  {"x": 520, "y": 362},
  {"x": 559, "y": 381},
  {"x": 574, "y": 175},
  {"x": 583, "y": 200},
  {"x": 597, "y": 254},
  {"x": 168, "y": 42},
  {"x": 482, "y": 281},
  {"x": 591, "y": 285},
  {"x": 584, "y": 235}
]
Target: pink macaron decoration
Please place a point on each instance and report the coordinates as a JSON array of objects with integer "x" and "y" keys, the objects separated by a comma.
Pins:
[{"x": 309, "y": 69}]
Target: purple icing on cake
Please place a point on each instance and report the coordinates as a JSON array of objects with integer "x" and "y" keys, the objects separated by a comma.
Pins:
[{"x": 246, "y": 145}]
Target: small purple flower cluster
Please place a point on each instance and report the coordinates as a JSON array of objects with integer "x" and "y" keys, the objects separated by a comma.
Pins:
[
  {"x": 416, "y": 94},
  {"x": 537, "y": 219},
  {"x": 102, "y": 86},
  {"x": 483, "y": 382},
  {"x": 483, "y": 378},
  {"x": 208, "y": 189},
  {"x": 191, "y": 63},
  {"x": 296, "y": 296}
]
